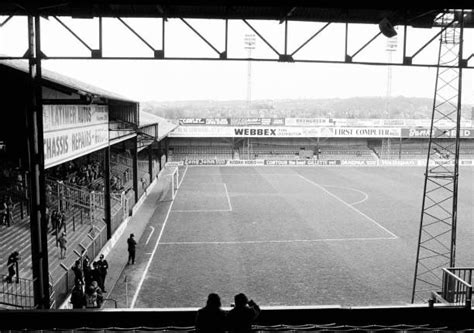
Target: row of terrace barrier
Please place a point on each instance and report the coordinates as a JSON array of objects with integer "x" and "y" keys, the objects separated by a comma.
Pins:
[{"x": 91, "y": 246}]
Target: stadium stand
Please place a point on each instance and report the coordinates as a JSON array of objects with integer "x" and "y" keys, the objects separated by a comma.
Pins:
[
  {"x": 466, "y": 149},
  {"x": 17, "y": 237},
  {"x": 409, "y": 150},
  {"x": 182, "y": 149},
  {"x": 345, "y": 152},
  {"x": 200, "y": 152},
  {"x": 274, "y": 149},
  {"x": 417, "y": 149}
]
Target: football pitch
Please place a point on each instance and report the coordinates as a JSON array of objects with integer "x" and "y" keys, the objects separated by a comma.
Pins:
[{"x": 288, "y": 236}]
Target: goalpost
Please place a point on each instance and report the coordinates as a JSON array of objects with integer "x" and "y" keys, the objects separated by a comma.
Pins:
[{"x": 168, "y": 183}]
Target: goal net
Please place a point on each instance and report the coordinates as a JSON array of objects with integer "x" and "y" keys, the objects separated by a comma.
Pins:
[{"x": 168, "y": 183}]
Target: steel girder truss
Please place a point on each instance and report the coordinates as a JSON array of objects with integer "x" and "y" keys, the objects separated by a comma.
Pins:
[
  {"x": 281, "y": 54},
  {"x": 437, "y": 234}
]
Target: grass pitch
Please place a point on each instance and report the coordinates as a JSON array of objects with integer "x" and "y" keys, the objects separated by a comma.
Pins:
[{"x": 289, "y": 236}]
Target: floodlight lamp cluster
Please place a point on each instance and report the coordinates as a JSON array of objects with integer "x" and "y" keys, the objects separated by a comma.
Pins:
[{"x": 386, "y": 28}]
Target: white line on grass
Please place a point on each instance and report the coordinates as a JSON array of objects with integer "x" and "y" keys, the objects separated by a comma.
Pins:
[
  {"x": 147, "y": 267},
  {"x": 280, "y": 241},
  {"x": 228, "y": 198},
  {"x": 184, "y": 174},
  {"x": 366, "y": 196},
  {"x": 208, "y": 210},
  {"x": 149, "y": 236},
  {"x": 200, "y": 210},
  {"x": 350, "y": 206}
]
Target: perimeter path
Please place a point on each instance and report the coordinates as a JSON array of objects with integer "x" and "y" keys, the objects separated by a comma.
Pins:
[{"x": 116, "y": 253}]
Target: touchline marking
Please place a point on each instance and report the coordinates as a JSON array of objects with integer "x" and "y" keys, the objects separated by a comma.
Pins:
[
  {"x": 350, "y": 206},
  {"x": 200, "y": 210},
  {"x": 147, "y": 267},
  {"x": 281, "y": 241},
  {"x": 149, "y": 236},
  {"x": 366, "y": 196}
]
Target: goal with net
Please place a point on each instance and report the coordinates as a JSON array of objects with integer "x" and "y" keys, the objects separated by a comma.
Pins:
[{"x": 168, "y": 183}]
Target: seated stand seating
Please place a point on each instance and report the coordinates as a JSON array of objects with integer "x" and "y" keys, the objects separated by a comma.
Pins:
[
  {"x": 341, "y": 152},
  {"x": 409, "y": 151},
  {"x": 181, "y": 153}
]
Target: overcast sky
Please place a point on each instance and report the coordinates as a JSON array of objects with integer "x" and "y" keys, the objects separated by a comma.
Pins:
[{"x": 227, "y": 80}]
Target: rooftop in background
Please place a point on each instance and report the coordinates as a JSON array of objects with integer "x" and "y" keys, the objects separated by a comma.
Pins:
[
  {"x": 362, "y": 11},
  {"x": 69, "y": 82},
  {"x": 164, "y": 125}
]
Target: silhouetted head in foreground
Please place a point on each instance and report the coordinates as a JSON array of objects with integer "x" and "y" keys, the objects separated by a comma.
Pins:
[
  {"x": 240, "y": 300},
  {"x": 213, "y": 301}
]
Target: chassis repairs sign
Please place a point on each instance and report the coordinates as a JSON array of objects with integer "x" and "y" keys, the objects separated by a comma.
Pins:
[{"x": 71, "y": 131}]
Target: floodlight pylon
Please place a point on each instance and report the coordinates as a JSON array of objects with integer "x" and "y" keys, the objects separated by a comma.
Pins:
[{"x": 437, "y": 233}]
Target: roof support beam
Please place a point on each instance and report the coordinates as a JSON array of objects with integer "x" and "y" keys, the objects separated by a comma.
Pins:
[
  {"x": 288, "y": 35},
  {"x": 200, "y": 36},
  {"x": 6, "y": 21}
]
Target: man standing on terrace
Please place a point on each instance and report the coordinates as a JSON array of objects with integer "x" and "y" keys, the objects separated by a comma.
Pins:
[{"x": 131, "y": 249}]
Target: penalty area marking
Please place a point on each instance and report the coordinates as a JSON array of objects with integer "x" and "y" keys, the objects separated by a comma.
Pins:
[
  {"x": 228, "y": 198},
  {"x": 229, "y": 209},
  {"x": 350, "y": 206},
  {"x": 182, "y": 178},
  {"x": 366, "y": 196},
  {"x": 280, "y": 241},
  {"x": 148, "y": 264}
]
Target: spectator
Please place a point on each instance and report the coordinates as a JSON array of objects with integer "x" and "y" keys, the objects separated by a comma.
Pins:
[
  {"x": 103, "y": 267},
  {"x": 6, "y": 209},
  {"x": 242, "y": 316},
  {"x": 94, "y": 296},
  {"x": 78, "y": 299},
  {"x": 47, "y": 216},
  {"x": 3, "y": 211},
  {"x": 54, "y": 221},
  {"x": 12, "y": 264},
  {"x": 95, "y": 274},
  {"x": 9, "y": 210},
  {"x": 211, "y": 318},
  {"x": 86, "y": 268},
  {"x": 131, "y": 249},
  {"x": 62, "y": 245},
  {"x": 19, "y": 182},
  {"x": 78, "y": 274},
  {"x": 61, "y": 220}
]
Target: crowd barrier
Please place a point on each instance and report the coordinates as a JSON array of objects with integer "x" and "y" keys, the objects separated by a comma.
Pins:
[{"x": 221, "y": 162}]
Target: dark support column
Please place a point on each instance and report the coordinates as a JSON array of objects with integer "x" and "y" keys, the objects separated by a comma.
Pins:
[
  {"x": 135, "y": 167},
  {"x": 400, "y": 149},
  {"x": 167, "y": 147},
  {"x": 38, "y": 223},
  {"x": 150, "y": 162},
  {"x": 317, "y": 147},
  {"x": 107, "y": 215},
  {"x": 160, "y": 153}
]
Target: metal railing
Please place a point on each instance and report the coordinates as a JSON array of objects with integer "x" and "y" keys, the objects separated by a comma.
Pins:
[
  {"x": 332, "y": 327},
  {"x": 456, "y": 286},
  {"x": 18, "y": 293},
  {"x": 92, "y": 246}
]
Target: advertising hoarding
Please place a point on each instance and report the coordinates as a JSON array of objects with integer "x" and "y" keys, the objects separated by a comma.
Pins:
[{"x": 71, "y": 131}]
